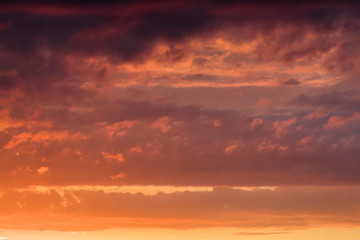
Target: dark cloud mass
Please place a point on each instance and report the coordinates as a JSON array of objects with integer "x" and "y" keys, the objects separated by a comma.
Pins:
[{"x": 123, "y": 31}]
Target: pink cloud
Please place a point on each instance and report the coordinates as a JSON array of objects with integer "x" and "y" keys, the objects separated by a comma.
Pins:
[
  {"x": 162, "y": 124},
  {"x": 269, "y": 146},
  {"x": 306, "y": 140},
  {"x": 282, "y": 127},
  {"x": 231, "y": 147},
  {"x": 315, "y": 115},
  {"x": 217, "y": 123},
  {"x": 256, "y": 122},
  {"x": 119, "y": 128},
  {"x": 342, "y": 121}
]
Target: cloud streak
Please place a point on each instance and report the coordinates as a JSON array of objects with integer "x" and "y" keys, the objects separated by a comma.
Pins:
[{"x": 281, "y": 208}]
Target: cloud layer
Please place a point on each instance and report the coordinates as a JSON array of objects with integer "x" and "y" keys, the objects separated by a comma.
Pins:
[{"x": 208, "y": 94}]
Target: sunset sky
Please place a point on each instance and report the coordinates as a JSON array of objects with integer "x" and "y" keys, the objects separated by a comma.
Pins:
[{"x": 197, "y": 120}]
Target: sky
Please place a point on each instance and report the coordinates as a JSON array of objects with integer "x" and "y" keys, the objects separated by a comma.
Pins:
[{"x": 179, "y": 120}]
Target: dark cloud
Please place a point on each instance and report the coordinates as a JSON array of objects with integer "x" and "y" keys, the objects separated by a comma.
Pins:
[
  {"x": 199, "y": 62},
  {"x": 26, "y": 34},
  {"x": 341, "y": 101},
  {"x": 93, "y": 3},
  {"x": 173, "y": 25},
  {"x": 6, "y": 82},
  {"x": 136, "y": 34},
  {"x": 291, "y": 81},
  {"x": 37, "y": 45}
]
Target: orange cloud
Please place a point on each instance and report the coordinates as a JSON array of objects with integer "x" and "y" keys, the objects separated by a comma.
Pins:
[
  {"x": 232, "y": 147},
  {"x": 113, "y": 157},
  {"x": 118, "y": 176},
  {"x": 18, "y": 139},
  {"x": 43, "y": 137},
  {"x": 137, "y": 149},
  {"x": 256, "y": 122},
  {"x": 162, "y": 124},
  {"x": 42, "y": 170},
  {"x": 119, "y": 128}
]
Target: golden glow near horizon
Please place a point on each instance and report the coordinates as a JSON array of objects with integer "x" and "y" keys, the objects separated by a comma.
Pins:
[{"x": 202, "y": 234}]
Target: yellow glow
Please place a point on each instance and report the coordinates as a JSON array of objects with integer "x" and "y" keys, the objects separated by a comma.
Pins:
[
  {"x": 144, "y": 189},
  {"x": 196, "y": 234}
]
